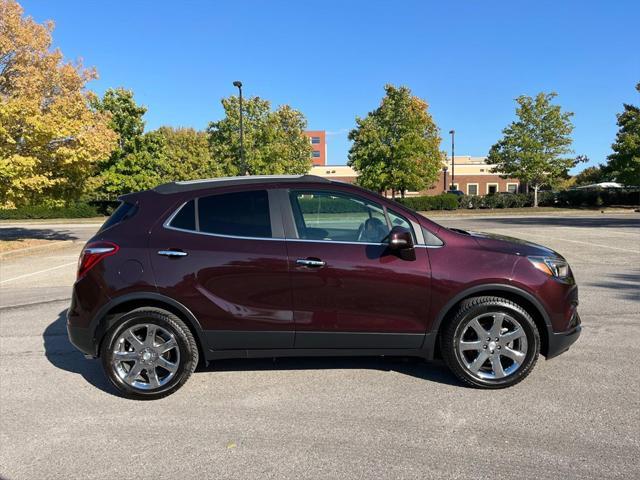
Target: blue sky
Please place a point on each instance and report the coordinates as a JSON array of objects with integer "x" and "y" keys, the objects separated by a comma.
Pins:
[{"x": 468, "y": 59}]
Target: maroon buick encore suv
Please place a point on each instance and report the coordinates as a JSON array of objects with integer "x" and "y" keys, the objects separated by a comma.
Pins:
[{"x": 300, "y": 265}]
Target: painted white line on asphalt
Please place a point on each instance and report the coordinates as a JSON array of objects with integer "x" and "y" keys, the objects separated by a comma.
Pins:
[
  {"x": 605, "y": 232},
  {"x": 36, "y": 273},
  {"x": 628, "y": 250}
]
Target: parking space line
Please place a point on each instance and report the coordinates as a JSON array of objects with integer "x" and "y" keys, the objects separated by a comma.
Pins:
[
  {"x": 36, "y": 273},
  {"x": 628, "y": 250}
]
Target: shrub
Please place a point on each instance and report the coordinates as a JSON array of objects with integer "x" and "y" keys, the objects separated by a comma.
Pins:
[
  {"x": 337, "y": 205},
  {"x": 598, "y": 197},
  {"x": 437, "y": 202},
  {"x": 104, "y": 207},
  {"x": 499, "y": 200},
  {"x": 78, "y": 210}
]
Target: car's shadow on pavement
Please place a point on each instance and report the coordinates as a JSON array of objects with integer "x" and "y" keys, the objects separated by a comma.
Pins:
[
  {"x": 414, "y": 367},
  {"x": 62, "y": 354}
]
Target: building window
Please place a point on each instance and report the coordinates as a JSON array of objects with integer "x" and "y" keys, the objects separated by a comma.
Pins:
[
  {"x": 492, "y": 188},
  {"x": 512, "y": 187},
  {"x": 315, "y": 140},
  {"x": 315, "y": 154},
  {"x": 472, "y": 189}
]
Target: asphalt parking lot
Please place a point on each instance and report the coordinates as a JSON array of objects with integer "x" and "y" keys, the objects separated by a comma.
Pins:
[{"x": 576, "y": 416}]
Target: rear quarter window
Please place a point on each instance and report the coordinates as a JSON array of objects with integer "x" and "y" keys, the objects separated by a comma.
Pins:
[
  {"x": 185, "y": 219},
  {"x": 124, "y": 211}
]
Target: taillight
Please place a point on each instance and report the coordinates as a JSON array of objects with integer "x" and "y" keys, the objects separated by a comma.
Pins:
[{"x": 93, "y": 253}]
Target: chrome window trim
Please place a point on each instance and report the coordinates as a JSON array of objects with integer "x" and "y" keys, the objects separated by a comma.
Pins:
[
  {"x": 168, "y": 221},
  {"x": 167, "y": 225}
]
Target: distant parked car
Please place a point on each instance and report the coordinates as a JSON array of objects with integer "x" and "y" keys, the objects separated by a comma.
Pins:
[
  {"x": 301, "y": 265},
  {"x": 456, "y": 192}
]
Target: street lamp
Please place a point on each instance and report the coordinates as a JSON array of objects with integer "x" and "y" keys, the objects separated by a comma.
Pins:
[
  {"x": 453, "y": 162},
  {"x": 444, "y": 170},
  {"x": 238, "y": 84}
]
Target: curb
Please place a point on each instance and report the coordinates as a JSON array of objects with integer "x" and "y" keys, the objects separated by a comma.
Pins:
[{"x": 35, "y": 249}]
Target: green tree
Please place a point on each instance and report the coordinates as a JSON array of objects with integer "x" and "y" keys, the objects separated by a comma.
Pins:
[
  {"x": 589, "y": 176},
  {"x": 126, "y": 120},
  {"x": 624, "y": 163},
  {"x": 274, "y": 141},
  {"x": 533, "y": 147},
  {"x": 50, "y": 136},
  {"x": 187, "y": 152},
  {"x": 396, "y": 146},
  {"x": 144, "y": 166},
  {"x": 139, "y": 162}
]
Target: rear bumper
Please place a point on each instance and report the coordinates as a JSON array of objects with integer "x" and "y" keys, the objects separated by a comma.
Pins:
[
  {"x": 560, "y": 342},
  {"x": 82, "y": 339}
]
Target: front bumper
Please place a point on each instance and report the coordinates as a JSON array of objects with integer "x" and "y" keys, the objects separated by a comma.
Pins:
[{"x": 560, "y": 342}]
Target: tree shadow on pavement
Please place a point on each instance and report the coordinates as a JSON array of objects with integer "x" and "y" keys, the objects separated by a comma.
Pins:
[
  {"x": 626, "y": 285},
  {"x": 18, "y": 233},
  {"x": 62, "y": 354},
  {"x": 580, "y": 222}
]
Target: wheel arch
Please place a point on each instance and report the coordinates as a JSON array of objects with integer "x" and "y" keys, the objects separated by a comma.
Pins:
[
  {"x": 113, "y": 311},
  {"x": 510, "y": 292}
]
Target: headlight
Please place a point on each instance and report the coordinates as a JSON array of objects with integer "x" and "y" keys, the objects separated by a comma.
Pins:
[{"x": 554, "y": 267}]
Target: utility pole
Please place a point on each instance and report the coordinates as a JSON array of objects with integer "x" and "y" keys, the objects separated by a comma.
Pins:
[
  {"x": 453, "y": 161},
  {"x": 444, "y": 170},
  {"x": 238, "y": 84}
]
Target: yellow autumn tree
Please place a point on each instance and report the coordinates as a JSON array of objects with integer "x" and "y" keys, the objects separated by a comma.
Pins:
[{"x": 50, "y": 136}]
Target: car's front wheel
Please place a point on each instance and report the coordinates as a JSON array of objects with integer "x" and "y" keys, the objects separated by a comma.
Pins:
[
  {"x": 491, "y": 342},
  {"x": 149, "y": 354}
]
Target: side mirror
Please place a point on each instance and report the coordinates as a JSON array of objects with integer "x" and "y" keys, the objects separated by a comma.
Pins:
[{"x": 400, "y": 238}]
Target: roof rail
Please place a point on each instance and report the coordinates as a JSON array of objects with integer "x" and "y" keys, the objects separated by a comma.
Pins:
[{"x": 189, "y": 185}]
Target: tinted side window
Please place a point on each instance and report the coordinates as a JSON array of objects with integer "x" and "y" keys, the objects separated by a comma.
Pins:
[
  {"x": 242, "y": 214},
  {"x": 322, "y": 215},
  {"x": 124, "y": 211},
  {"x": 186, "y": 217}
]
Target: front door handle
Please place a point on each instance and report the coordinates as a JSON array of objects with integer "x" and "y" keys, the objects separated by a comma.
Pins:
[
  {"x": 311, "y": 262},
  {"x": 172, "y": 253}
]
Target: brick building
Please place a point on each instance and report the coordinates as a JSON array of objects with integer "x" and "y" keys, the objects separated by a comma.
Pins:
[
  {"x": 318, "y": 139},
  {"x": 472, "y": 175},
  {"x": 340, "y": 173}
]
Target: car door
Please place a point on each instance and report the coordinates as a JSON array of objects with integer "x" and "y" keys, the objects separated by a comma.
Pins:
[
  {"x": 349, "y": 289},
  {"x": 223, "y": 256}
]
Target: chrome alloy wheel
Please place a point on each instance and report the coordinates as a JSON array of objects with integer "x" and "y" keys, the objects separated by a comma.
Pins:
[
  {"x": 145, "y": 356},
  {"x": 492, "y": 346}
]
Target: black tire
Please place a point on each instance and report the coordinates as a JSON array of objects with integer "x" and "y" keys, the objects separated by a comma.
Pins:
[
  {"x": 480, "y": 307},
  {"x": 186, "y": 344}
]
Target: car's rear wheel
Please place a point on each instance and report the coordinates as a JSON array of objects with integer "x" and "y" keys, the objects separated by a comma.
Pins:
[
  {"x": 149, "y": 354},
  {"x": 491, "y": 342}
]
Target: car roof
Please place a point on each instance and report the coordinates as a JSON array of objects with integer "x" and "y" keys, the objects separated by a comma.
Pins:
[{"x": 189, "y": 185}]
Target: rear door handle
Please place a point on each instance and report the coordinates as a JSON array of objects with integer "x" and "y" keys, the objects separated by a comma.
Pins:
[
  {"x": 311, "y": 262},
  {"x": 172, "y": 253}
]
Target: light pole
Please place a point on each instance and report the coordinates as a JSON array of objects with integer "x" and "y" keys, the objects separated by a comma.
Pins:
[
  {"x": 444, "y": 170},
  {"x": 238, "y": 84},
  {"x": 453, "y": 162}
]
